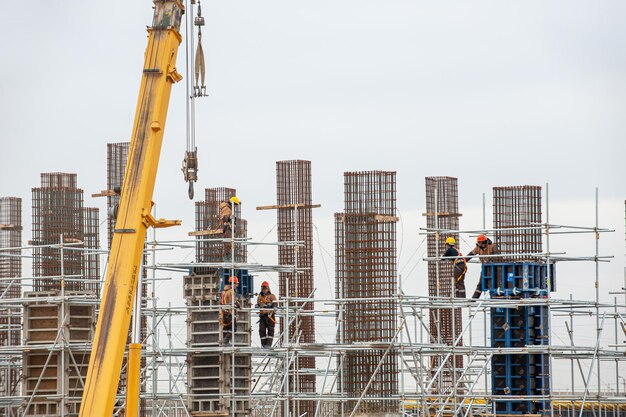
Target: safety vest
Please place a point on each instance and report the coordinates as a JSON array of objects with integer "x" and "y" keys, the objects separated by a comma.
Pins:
[
  {"x": 460, "y": 260},
  {"x": 264, "y": 299},
  {"x": 460, "y": 263}
]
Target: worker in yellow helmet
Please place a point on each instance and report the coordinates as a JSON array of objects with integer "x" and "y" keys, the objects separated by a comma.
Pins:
[
  {"x": 459, "y": 266},
  {"x": 226, "y": 213},
  {"x": 227, "y": 219}
]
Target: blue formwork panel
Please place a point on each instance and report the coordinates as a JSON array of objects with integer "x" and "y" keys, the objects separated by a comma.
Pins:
[
  {"x": 520, "y": 374},
  {"x": 246, "y": 281},
  {"x": 518, "y": 279},
  {"x": 519, "y": 327}
]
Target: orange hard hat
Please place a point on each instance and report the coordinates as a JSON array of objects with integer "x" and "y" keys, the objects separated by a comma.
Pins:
[
  {"x": 481, "y": 238},
  {"x": 265, "y": 284},
  {"x": 233, "y": 279}
]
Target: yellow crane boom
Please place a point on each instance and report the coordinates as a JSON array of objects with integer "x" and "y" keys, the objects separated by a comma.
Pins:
[{"x": 134, "y": 218}]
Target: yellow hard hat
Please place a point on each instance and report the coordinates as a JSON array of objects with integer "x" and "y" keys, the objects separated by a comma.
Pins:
[
  {"x": 450, "y": 241},
  {"x": 235, "y": 200}
]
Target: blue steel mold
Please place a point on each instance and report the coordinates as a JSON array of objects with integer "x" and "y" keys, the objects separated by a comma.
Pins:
[{"x": 518, "y": 279}]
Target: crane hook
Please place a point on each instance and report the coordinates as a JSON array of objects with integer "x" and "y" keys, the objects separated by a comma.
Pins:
[
  {"x": 190, "y": 169},
  {"x": 190, "y": 190}
]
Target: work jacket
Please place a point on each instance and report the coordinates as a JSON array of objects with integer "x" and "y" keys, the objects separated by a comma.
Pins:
[
  {"x": 267, "y": 302},
  {"x": 225, "y": 211},
  {"x": 455, "y": 256},
  {"x": 227, "y": 298},
  {"x": 490, "y": 249}
]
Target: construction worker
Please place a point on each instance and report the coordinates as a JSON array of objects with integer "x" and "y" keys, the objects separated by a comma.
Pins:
[
  {"x": 266, "y": 301},
  {"x": 227, "y": 220},
  {"x": 484, "y": 246},
  {"x": 459, "y": 266},
  {"x": 226, "y": 212},
  {"x": 229, "y": 313}
]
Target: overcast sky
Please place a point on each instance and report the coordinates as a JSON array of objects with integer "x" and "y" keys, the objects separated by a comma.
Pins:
[{"x": 495, "y": 93}]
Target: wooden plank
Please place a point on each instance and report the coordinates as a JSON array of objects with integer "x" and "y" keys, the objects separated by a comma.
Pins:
[
  {"x": 381, "y": 218},
  {"x": 206, "y": 232},
  {"x": 442, "y": 214},
  {"x": 10, "y": 226},
  {"x": 105, "y": 193},
  {"x": 377, "y": 217},
  {"x": 286, "y": 206}
]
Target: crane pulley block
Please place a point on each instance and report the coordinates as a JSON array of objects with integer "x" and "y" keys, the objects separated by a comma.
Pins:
[{"x": 190, "y": 169}]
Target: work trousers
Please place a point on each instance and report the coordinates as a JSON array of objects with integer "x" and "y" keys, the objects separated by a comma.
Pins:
[
  {"x": 228, "y": 326},
  {"x": 459, "y": 280},
  {"x": 266, "y": 330}
]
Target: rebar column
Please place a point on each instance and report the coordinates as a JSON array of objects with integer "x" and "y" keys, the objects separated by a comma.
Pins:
[
  {"x": 517, "y": 208},
  {"x": 10, "y": 287},
  {"x": 295, "y": 222},
  {"x": 517, "y": 215},
  {"x": 442, "y": 213},
  {"x": 117, "y": 156},
  {"x": 208, "y": 219},
  {"x": 64, "y": 232},
  {"x": 218, "y": 382},
  {"x": 366, "y": 269},
  {"x": 58, "y": 214}
]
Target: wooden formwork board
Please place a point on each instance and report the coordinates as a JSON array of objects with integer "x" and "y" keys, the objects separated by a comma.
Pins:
[
  {"x": 43, "y": 375},
  {"x": 210, "y": 381},
  {"x": 42, "y": 322},
  {"x": 204, "y": 326},
  {"x": 202, "y": 287},
  {"x": 209, "y": 375}
]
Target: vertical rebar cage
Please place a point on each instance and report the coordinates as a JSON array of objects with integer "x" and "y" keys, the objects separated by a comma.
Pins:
[
  {"x": 58, "y": 212},
  {"x": 66, "y": 263},
  {"x": 117, "y": 156},
  {"x": 10, "y": 287},
  {"x": 295, "y": 222},
  {"x": 210, "y": 374},
  {"x": 442, "y": 214},
  {"x": 517, "y": 215},
  {"x": 518, "y": 209},
  {"x": 366, "y": 269},
  {"x": 208, "y": 218}
]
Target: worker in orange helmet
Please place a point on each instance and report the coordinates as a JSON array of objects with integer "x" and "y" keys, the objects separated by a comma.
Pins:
[
  {"x": 266, "y": 301},
  {"x": 484, "y": 247},
  {"x": 229, "y": 312}
]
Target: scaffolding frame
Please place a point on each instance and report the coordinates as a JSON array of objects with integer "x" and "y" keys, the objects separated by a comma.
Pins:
[
  {"x": 442, "y": 213},
  {"x": 294, "y": 208},
  {"x": 412, "y": 344},
  {"x": 10, "y": 268}
]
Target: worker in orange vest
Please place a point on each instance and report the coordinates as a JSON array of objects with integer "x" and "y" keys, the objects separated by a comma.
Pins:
[
  {"x": 484, "y": 246},
  {"x": 226, "y": 213},
  {"x": 229, "y": 311},
  {"x": 459, "y": 267},
  {"x": 266, "y": 301},
  {"x": 227, "y": 220}
]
